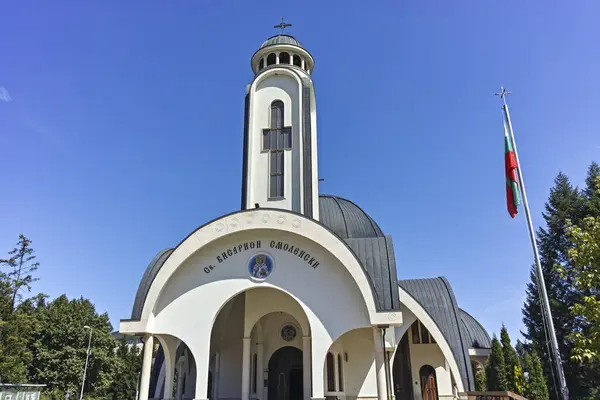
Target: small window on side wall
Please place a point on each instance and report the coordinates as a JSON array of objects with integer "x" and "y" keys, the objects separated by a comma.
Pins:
[
  {"x": 271, "y": 59},
  {"x": 261, "y": 64},
  {"x": 416, "y": 338},
  {"x": 330, "y": 373}
]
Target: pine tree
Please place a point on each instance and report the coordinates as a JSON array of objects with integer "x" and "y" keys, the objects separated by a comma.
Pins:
[
  {"x": 20, "y": 265},
  {"x": 535, "y": 388},
  {"x": 511, "y": 361},
  {"x": 564, "y": 203},
  {"x": 496, "y": 368}
]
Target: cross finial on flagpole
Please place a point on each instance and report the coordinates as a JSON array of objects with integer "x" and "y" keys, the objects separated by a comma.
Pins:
[
  {"x": 282, "y": 25},
  {"x": 503, "y": 94}
]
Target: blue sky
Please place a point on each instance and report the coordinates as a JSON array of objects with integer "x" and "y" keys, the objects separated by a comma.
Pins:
[{"x": 124, "y": 129}]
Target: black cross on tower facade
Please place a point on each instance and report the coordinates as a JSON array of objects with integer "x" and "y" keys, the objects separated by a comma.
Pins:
[{"x": 282, "y": 25}]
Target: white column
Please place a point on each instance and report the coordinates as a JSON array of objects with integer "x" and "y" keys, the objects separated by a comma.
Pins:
[
  {"x": 303, "y": 64},
  {"x": 246, "y": 369},
  {"x": 146, "y": 367},
  {"x": 259, "y": 370},
  {"x": 306, "y": 368},
  {"x": 379, "y": 364},
  {"x": 276, "y": 58}
]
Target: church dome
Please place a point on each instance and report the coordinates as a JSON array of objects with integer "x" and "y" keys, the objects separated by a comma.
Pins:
[
  {"x": 346, "y": 219},
  {"x": 281, "y": 39}
]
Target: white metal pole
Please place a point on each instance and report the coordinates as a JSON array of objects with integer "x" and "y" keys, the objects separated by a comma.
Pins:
[
  {"x": 87, "y": 357},
  {"x": 539, "y": 273}
]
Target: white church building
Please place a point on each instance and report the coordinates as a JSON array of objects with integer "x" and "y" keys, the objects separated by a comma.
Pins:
[{"x": 296, "y": 295}]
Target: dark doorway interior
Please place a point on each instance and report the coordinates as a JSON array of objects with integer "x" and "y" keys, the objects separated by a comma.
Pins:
[
  {"x": 401, "y": 372},
  {"x": 285, "y": 374}
]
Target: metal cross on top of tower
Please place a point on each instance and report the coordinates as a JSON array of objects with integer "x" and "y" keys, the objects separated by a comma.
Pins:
[{"x": 282, "y": 25}]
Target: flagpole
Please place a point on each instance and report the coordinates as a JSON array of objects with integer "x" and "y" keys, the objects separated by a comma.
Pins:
[{"x": 538, "y": 266}]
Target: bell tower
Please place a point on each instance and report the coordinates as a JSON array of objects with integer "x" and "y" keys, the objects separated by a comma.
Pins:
[{"x": 280, "y": 129}]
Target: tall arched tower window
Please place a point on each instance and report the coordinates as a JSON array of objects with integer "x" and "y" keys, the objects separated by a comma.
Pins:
[{"x": 276, "y": 140}]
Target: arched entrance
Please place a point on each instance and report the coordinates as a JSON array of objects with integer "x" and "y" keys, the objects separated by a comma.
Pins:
[
  {"x": 428, "y": 383},
  {"x": 285, "y": 374}
]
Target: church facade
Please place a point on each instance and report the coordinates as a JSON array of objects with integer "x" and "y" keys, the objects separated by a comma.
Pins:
[{"x": 295, "y": 296}]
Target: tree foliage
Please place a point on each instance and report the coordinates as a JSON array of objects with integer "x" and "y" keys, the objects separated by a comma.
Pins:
[
  {"x": 496, "y": 368},
  {"x": 511, "y": 361},
  {"x": 45, "y": 341},
  {"x": 535, "y": 387},
  {"x": 20, "y": 266},
  {"x": 565, "y": 203},
  {"x": 584, "y": 257}
]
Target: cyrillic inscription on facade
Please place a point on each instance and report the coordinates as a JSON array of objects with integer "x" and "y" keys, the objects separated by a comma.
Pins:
[{"x": 257, "y": 244}]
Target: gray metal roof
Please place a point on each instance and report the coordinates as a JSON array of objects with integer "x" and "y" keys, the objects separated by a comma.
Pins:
[
  {"x": 437, "y": 298},
  {"x": 477, "y": 336},
  {"x": 377, "y": 257},
  {"x": 281, "y": 39},
  {"x": 147, "y": 279},
  {"x": 346, "y": 219}
]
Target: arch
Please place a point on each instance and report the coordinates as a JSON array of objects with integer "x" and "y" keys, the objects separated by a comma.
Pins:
[
  {"x": 284, "y": 58},
  {"x": 416, "y": 311},
  {"x": 428, "y": 381},
  {"x": 268, "y": 219},
  {"x": 271, "y": 59},
  {"x": 297, "y": 61},
  {"x": 261, "y": 64}
]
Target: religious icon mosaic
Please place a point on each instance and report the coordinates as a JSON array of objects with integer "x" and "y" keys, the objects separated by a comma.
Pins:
[{"x": 260, "y": 266}]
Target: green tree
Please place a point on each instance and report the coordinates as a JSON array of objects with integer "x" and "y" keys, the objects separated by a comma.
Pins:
[
  {"x": 585, "y": 260},
  {"x": 536, "y": 387},
  {"x": 480, "y": 380},
  {"x": 519, "y": 380},
  {"x": 511, "y": 361},
  {"x": 20, "y": 265},
  {"x": 496, "y": 368},
  {"x": 127, "y": 366},
  {"x": 61, "y": 344},
  {"x": 565, "y": 203}
]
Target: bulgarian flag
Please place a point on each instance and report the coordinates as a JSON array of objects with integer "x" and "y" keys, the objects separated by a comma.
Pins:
[{"x": 513, "y": 198}]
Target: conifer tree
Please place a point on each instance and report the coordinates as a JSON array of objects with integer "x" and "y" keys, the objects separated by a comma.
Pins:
[
  {"x": 511, "y": 361},
  {"x": 535, "y": 388},
  {"x": 496, "y": 368},
  {"x": 480, "y": 380},
  {"x": 19, "y": 266}
]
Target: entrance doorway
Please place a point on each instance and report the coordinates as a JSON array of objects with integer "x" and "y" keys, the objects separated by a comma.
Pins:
[
  {"x": 428, "y": 383},
  {"x": 285, "y": 374}
]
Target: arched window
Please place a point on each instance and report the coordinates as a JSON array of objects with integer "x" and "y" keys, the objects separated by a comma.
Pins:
[
  {"x": 271, "y": 59},
  {"x": 330, "y": 373},
  {"x": 428, "y": 383},
  {"x": 284, "y": 58},
  {"x": 261, "y": 64},
  {"x": 297, "y": 60},
  {"x": 340, "y": 374},
  {"x": 276, "y": 139}
]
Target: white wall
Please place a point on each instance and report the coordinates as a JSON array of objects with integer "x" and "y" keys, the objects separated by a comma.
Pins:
[
  {"x": 321, "y": 292},
  {"x": 359, "y": 372},
  {"x": 287, "y": 89}
]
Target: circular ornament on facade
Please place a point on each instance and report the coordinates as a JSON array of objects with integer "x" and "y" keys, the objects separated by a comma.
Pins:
[
  {"x": 281, "y": 219},
  {"x": 296, "y": 223},
  {"x": 260, "y": 266},
  {"x": 266, "y": 218},
  {"x": 233, "y": 222},
  {"x": 288, "y": 333},
  {"x": 219, "y": 227}
]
